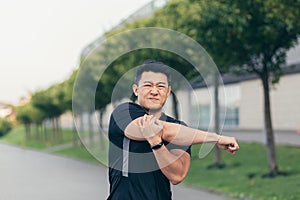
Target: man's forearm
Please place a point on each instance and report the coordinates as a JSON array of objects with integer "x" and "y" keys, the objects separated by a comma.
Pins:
[
  {"x": 173, "y": 165},
  {"x": 183, "y": 135}
]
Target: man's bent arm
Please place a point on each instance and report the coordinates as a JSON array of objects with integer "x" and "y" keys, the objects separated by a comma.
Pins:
[
  {"x": 174, "y": 164},
  {"x": 183, "y": 135}
]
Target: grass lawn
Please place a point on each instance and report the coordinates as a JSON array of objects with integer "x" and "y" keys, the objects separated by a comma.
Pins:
[
  {"x": 243, "y": 174},
  {"x": 17, "y": 136}
]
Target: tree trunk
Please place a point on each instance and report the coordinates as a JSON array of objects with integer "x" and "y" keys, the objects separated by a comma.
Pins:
[
  {"x": 37, "y": 132},
  {"x": 45, "y": 131},
  {"x": 74, "y": 139},
  {"x": 27, "y": 131},
  {"x": 90, "y": 128},
  {"x": 101, "y": 131},
  {"x": 175, "y": 105},
  {"x": 81, "y": 129},
  {"x": 273, "y": 168},
  {"x": 59, "y": 130},
  {"x": 53, "y": 135},
  {"x": 218, "y": 160},
  {"x": 56, "y": 130}
]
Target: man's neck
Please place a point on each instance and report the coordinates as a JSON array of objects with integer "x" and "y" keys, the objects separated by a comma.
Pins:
[{"x": 156, "y": 113}]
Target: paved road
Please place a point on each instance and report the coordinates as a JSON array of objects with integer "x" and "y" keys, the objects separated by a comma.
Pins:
[{"x": 31, "y": 175}]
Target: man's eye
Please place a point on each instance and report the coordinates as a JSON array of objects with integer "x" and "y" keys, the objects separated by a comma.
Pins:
[
  {"x": 147, "y": 85},
  {"x": 161, "y": 86}
]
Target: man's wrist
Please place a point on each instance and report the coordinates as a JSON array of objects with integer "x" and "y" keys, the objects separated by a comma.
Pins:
[
  {"x": 154, "y": 140},
  {"x": 157, "y": 146},
  {"x": 213, "y": 137},
  {"x": 218, "y": 138}
]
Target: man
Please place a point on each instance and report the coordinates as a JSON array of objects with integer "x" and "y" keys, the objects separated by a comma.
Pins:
[{"x": 149, "y": 149}]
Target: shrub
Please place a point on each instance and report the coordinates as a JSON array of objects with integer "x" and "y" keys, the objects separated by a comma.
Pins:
[{"x": 5, "y": 127}]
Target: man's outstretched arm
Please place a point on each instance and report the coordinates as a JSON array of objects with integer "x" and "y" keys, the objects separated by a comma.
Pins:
[{"x": 176, "y": 134}]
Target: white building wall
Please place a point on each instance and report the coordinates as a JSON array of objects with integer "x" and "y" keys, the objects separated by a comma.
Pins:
[
  {"x": 285, "y": 98},
  {"x": 184, "y": 102},
  {"x": 251, "y": 105},
  {"x": 285, "y": 107}
]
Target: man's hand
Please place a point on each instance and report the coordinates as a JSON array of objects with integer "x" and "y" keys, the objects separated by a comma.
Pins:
[
  {"x": 228, "y": 144},
  {"x": 151, "y": 128}
]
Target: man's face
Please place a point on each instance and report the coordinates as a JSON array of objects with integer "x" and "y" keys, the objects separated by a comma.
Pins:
[{"x": 152, "y": 90}]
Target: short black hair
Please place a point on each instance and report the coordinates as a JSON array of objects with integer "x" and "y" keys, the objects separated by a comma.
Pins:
[{"x": 152, "y": 66}]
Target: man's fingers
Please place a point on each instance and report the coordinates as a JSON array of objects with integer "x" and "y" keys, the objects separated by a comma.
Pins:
[
  {"x": 145, "y": 119},
  {"x": 139, "y": 122},
  {"x": 159, "y": 123},
  {"x": 229, "y": 144},
  {"x": 232, "y": 148}
]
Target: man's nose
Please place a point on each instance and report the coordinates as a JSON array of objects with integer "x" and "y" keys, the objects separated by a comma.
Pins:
[{"x": 154, "y": 90}]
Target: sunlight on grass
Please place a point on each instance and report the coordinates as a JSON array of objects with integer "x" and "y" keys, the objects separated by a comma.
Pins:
[{"x": 243, "y": 174}]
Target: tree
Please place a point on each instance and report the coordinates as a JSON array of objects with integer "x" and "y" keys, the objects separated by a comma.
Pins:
[
  {"x": 242, "y": 36},
  {"x": 50, "y": 102},
  {"x": 23, "y": 116},
  {"x": 185, "y": 17},
  {"x": 5, "y": 127},
  {"x": 37, "y": 118},
  {"x": 67, "y": 87},
  {"x": 257, "y": 34}
]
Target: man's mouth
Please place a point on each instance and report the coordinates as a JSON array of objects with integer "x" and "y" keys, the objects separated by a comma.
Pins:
[{"x": 153, "y": 99}]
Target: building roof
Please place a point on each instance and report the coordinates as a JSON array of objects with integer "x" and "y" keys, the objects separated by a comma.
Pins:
[{"x": 231, "y": 78}]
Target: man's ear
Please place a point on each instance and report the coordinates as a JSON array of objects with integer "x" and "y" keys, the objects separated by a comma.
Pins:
[
  {"x": 169, "y": 90},
  {"x": 135, "y": 89}
]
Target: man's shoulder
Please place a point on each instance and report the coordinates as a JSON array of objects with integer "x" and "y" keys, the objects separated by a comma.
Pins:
[
  {"x": 127, "y": 112},
  {"x": 127, "y": 106},
  {"x": 168, "y": 118}
]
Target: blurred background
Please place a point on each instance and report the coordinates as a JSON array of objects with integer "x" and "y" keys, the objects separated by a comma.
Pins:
[{"x": 254, "y": 96}]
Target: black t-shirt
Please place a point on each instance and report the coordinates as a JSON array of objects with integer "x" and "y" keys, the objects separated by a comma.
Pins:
[{"x": 133, "y": 170}]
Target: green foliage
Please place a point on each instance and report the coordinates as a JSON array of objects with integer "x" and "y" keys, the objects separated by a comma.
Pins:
[
  {"x": 28, "y": 114},
  {"x": 254, "y": 32},
  {"x": 249, "y": 36},
  {"x": 23, "y": 114},
  {"x": 53, "y": 101},
  {"x": 94, "y": 68},
  {"x": 5, "y": 127}
]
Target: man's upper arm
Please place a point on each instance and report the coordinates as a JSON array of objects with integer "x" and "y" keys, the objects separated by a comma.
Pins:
[
  {"x": 125, "y": 114},
  {"x": 132, "y": 131}
]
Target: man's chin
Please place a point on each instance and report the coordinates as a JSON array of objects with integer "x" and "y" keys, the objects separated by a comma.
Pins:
[{"x": 153, "y": 109}]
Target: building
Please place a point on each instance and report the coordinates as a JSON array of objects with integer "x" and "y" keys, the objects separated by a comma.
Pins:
[
  {"x": 7, "y": 111},
  {"x": 242, "y": 109},
  {"x": 244, "y": 103}
]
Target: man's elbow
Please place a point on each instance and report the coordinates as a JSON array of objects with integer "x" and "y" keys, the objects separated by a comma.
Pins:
[{"x": 177, "y": 179}]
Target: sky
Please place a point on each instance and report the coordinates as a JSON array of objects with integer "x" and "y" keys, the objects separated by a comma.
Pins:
[{"x": 41, "y": 41}]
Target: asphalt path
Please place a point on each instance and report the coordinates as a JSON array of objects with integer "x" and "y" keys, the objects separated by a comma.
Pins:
[{"x": 31, "y": 175}]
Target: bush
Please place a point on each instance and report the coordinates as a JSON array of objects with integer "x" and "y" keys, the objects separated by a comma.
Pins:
[{"x": 5, "y": 127}]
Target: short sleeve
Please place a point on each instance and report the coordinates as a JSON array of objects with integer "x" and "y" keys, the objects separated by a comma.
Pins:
[{"x": 126, "y": 113}]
